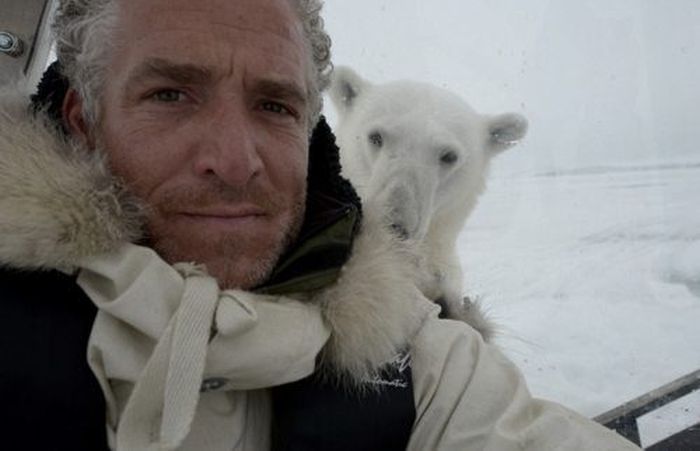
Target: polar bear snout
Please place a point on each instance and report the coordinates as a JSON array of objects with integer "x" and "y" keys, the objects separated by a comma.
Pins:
[
  {"x": 402, "y": 218},
  {"x": 408, "y": 208}
]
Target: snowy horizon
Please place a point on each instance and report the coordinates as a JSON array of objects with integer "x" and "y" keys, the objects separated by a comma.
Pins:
[{"x": 600, "y": 83}]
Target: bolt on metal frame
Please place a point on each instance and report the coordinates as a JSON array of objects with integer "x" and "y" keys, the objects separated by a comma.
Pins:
[{"x": 25, "y": 41}]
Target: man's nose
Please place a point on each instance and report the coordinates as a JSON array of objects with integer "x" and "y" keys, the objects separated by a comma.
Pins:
[{"x": 229, "y": 147}]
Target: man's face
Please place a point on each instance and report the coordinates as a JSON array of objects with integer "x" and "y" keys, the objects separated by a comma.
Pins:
[{"x": 204, "y": 116}]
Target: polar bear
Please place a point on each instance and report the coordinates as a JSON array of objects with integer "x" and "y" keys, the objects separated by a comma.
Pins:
[{"x": 422, "y": 155}]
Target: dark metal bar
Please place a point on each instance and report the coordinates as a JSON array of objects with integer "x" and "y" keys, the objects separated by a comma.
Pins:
[
  {"x": 23, "y": 24},
  {"x": 623, "y": 419}
]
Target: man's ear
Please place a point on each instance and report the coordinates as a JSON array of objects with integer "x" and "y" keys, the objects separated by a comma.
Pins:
[
  {"x": 73, "y": 118},
  {"x": 505, "y": 131},
  {"x": 346, "y": 87}
]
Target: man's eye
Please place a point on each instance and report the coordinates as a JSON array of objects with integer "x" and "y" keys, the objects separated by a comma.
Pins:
[
  {"x": 167, "y": 96},
  {"x": 274, "y": 107}
]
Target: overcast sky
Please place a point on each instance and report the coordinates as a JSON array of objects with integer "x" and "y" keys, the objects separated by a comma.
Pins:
[{"x": 601, "y": 82}]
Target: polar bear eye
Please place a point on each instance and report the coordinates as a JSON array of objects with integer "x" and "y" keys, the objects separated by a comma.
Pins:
[
  {"x": 376, "y": 139},
  {"x": 449, "y": 158}
]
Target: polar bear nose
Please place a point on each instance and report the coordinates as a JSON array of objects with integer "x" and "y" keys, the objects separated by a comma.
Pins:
[
  {"x": 400, "y": 231},
  {"x": 404, "y": 212}
]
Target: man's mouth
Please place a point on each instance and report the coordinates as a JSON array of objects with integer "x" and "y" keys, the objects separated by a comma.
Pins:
[
  {"x": 224, "y": 215},
  {"x": 235, "y": 210}
]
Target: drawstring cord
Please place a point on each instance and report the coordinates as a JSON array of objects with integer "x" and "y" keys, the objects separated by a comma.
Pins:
[{"x": 162, "y": 406}]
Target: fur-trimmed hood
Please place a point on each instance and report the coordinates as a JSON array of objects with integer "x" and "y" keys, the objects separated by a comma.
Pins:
[{"x": 59, "y": 205}]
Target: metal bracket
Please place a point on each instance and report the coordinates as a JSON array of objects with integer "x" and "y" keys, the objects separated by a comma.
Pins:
[{"x": 11, "y": 44}]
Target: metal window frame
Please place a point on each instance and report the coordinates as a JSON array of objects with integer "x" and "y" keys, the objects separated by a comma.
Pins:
[
  {"x": 29, "y": 21},
  {"x": 623, "y": 419}
]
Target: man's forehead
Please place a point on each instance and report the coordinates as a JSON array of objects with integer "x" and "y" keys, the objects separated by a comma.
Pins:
[
  {"x": 213, "y": 33},
  {"x": 276, "y": 16}
]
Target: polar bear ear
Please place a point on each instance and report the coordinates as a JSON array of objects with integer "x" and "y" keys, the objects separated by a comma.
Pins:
[
  {"x": 346, "y": 87},
  {"x": 506, "y": 130}
]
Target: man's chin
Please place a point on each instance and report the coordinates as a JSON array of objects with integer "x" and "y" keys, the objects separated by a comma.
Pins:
[
  {"x": 238, "y": 261},
  {"x": 241, "y": 258},
  {"x": 230, "y": 262},
  {"x": 242, "y": 273}
]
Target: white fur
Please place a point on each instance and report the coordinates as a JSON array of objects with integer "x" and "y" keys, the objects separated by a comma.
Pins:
[
  {"x": 422, "y": 155},
  {"x": 58, "y": 203},
  {"x": 375, "y": 308}
]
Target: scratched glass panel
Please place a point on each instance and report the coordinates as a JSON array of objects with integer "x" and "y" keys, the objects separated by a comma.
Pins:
[{"x": 585, "y": 246}]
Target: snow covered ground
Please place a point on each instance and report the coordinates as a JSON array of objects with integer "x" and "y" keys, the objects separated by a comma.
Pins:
[{"x": 594, "y": 276}]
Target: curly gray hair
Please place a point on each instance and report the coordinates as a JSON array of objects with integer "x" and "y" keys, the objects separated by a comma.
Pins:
[{"x": 83, "y": 29}]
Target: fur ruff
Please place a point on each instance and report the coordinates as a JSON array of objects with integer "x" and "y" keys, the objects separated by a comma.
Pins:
[
  {"x": 375, "y": 308},
  {"x": 59, "y": 204}
]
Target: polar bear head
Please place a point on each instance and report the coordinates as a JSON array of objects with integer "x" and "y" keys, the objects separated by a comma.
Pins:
[{"x": 419, "y": 151}]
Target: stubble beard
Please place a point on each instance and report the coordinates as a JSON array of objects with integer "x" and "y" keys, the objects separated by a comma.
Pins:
[{"x": 237, "y": 262}]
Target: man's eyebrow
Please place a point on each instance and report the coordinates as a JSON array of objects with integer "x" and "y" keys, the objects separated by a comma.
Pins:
[
  {"x": 162, "y": 68},
  {"x": 282, "y": 89}
]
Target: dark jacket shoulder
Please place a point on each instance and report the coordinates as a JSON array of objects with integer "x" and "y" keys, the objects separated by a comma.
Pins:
[{"x": 50, "y": 399}]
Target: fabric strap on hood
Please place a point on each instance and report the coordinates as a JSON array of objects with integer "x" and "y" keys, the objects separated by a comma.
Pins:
[
  {"x": 169, "y": 386},
  {"x": 154, "y": 359}
]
